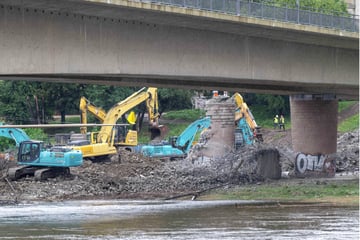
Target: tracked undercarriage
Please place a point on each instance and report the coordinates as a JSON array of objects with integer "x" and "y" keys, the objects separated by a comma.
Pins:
[{"x": 39, "y": 173}]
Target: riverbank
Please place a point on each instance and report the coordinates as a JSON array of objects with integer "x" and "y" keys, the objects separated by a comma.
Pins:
[{"x": 342, "y": 190}]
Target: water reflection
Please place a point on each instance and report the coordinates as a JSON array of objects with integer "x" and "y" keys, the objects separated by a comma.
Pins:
[{"x": 176, "y": 220}]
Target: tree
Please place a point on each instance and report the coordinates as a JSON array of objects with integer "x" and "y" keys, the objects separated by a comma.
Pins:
[
  {"x": 324, "y": 6},
  {"x": 36, "y": 102},
  {"x": 174, "y": 99},
  {"x": 64, "y": 97},
  {"x": 105, "y": 96},
  {"x": 15, "y": 101}
]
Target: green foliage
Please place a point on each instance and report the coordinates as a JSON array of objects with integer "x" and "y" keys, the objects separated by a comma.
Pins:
[
  {"x": 107, "y": 96},
  {"x": 36, "y": 133},
  {"x": 324, "y": 6},
  {"x": 174, "y": 99},
  {"x": 349, "y": 124},
  {"x": 269, "y": 105},
  {"x": 36, "y": 102},
  {"x": 185, "y": 114},
  {"x": 7, "y": 144},
  {"x": 13, "y": 106}
]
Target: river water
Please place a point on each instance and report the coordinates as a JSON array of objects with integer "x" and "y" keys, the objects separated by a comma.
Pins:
[{"x": 177, "y": 220}]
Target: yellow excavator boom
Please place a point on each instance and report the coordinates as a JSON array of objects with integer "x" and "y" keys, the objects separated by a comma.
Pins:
[
  {"x": 86, "y": 105},
  {"x": 244, "y": 111},
  {"x": 119, "y": 109}
]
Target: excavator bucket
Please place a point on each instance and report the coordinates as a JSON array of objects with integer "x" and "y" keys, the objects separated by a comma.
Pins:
[{"x": 158, "y": 132}]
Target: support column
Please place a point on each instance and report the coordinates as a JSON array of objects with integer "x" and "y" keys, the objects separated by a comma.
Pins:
[{"x": 314, "y": 134}]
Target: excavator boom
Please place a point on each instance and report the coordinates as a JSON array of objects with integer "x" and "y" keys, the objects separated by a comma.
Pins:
[
  {"x": 17, "y": 134},
  {"x": 86, "y": 105},
  {"x": 119, "y": 109}
]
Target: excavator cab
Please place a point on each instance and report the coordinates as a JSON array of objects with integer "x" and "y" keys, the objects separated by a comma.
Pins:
[
  {"x": 173, "y": 141},
  {"x": 29, "y": 151},
  {"x": 125, "y": 136}
]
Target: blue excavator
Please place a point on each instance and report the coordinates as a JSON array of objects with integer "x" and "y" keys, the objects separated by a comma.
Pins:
[
  {"x": 179, "y": 146},
  {"x": 33, "y": 158}
]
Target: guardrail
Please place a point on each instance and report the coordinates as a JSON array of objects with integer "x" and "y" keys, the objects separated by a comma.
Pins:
[{"x": 342, "y": 21}]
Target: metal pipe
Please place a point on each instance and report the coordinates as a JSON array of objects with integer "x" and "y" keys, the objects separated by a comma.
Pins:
[{"x": 60, "y": 125}]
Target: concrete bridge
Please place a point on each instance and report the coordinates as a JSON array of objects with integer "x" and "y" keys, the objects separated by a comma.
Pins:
[{"x": 147, "y": 43}]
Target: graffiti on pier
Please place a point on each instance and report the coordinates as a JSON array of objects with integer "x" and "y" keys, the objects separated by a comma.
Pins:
[{"x": 305, "y": 163}]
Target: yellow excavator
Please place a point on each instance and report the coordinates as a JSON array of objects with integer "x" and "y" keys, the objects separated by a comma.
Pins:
[
  {"x": 105, "y": 142},
  {"x": 247, "y": 131}
]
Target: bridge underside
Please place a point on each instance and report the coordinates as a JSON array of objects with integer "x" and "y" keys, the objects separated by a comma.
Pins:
[{"x": 196, "y": 83}]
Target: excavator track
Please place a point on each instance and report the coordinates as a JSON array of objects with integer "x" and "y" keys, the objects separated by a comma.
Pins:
[
  {"x": 39, "y": 173},
  {"x": 15, "y": 173},
  {"x": 45, "y": 173}
]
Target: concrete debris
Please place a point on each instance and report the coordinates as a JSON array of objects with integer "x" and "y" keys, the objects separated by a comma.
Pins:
[
  {"x": 348, "y": 152},
  {"x": 139, "y": 177}
]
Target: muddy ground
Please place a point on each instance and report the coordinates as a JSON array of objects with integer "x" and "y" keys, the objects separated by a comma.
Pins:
[{"x": 137, "y": 177}]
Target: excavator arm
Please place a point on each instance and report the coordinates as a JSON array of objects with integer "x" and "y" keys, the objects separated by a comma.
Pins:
[
  {"x": 17, "y": 134},
  {"x": 119, "y": 109},
  {"x": 186, "y": 138},
  {"x": 243, "y": 111},
  {"x": 85, "y": 106}
]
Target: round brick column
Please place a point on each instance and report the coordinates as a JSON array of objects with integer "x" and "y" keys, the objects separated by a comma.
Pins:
[
  {"x": 314, "y": 133},
  {"x": 222, "y": 127},
  {"x": 314, "y": 125}
]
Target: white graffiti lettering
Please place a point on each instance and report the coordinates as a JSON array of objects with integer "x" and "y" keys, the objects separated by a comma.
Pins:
[{"x": 305, "y": 162}]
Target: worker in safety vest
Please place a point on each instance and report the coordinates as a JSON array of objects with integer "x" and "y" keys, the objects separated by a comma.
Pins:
[
  {"x": 276, "y": 121},
  {"x": 282, "y": 122}
]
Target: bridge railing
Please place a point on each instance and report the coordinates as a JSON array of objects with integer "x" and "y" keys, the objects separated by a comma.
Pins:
[{"x": 342, "y": 21}]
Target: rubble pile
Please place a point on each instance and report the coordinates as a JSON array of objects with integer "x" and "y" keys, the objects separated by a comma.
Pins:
[
  {"x": 348, "y": 152},
  {"x": 139, "y": 177},
  {"x": 144, "y": 178}
]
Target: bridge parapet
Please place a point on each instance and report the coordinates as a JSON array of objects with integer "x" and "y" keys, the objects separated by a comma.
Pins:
[{"x": 336, "y": 20}]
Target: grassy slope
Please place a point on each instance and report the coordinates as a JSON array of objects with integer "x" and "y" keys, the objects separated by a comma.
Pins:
[
  {"x": 349, "y": 123},
  {"x": 344, "y": 192}
]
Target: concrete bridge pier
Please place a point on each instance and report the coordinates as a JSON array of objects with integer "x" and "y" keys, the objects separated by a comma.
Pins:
[{"x": 314, "y": 134}]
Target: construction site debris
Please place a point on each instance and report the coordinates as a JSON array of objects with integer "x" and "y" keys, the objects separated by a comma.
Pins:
[{"x": 138, "y": 177}]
